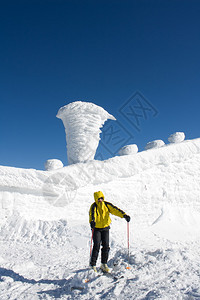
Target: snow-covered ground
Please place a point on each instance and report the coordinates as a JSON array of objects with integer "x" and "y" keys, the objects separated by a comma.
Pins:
[{"x": 45, "y": 235}]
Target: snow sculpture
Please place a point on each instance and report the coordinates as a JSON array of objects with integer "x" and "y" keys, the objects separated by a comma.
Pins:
[
  {"x": 154, "y": 144},
  {"x": 82, "y": 122},
  {"x": 53, "y": 164},
  {"x": 176, "y": 137},
  {"x": 128, "y": 150}
]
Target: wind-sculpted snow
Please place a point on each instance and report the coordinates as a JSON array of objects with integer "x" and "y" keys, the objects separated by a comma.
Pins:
[
  {"x": 53, "y": 164},
  {"x": 128, "y": 150},
  {"x": 143, "y": 181},
  {"x": 176, "y": 137},
  {"x": 45, "y": 235},
  {"x": 82, "y": 121},
  {"x": 154, "y": 144}
]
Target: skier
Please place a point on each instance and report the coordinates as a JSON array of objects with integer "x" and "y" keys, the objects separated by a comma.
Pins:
[{"x": 99, "y": 218}]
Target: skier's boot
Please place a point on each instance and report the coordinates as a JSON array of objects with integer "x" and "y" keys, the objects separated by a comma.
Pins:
[
  {"x": 104, "y": 268},
  {"x": 94, "y": 268}
]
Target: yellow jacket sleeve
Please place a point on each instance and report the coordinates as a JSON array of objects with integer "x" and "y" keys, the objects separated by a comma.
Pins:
[{"x": 114, "y": 210}]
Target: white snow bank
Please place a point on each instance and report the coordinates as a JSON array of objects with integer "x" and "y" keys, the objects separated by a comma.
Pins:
[
  {"x": 35, "y": 231},
  {"x": 138, "y": 184},
  {"x": 44, "y": 215},
  {"x": 154, "y": 144},
  {"x": 53, "y": 164},
  {"x": 128, "y": 150},
  {"x": 176, "y": 137},
  {"x": 82, "y": 121},
  {"x": 178, "y": 223},
  {"x": 30, "y": 181}
]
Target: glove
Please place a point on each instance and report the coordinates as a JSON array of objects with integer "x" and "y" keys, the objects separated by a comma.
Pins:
[
  {"x": 127, "y": 218},
  {"x": 92, "y": 224}
]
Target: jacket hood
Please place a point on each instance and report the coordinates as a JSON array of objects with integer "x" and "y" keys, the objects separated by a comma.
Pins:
[{"x": 98, "y": 195}]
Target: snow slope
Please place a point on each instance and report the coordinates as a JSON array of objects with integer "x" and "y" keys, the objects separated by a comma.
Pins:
[{"x": 45, "y": 236}]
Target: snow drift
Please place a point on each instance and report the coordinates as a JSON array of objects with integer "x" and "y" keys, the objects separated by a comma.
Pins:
[
  {"x": 154, "y": 144},
  {"x": 53, "y": 164},
  {"x": 128, "y": 150},
  {"x": 176, "y": 137},
  {"x": 144, "y": 183},
  {"x": 45, "y": 235}
]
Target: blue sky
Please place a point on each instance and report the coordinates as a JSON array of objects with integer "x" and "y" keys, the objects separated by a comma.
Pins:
[{"x": 116, "y": 54}]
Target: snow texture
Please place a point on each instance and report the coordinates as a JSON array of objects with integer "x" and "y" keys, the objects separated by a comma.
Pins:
[
  {"x": 53, "y": 164},
  {"x": 82, "y": 122},
  {"x": 45, "y": 235},
  {"x": 176, "y": 137},
  {"x": 128, "y": 150},
  {"x": 154, "y": 144}
]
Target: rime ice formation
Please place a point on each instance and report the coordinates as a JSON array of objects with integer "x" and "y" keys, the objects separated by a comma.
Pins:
[
  {"x": 45, "y": 216},
  {"x": 154, "y": 144},
  {"x": 128, "y": 150},
  {"x": 53, "y": 164},
  {"x": 176, "y": 137},
  {"x": 82, "y": 122}
]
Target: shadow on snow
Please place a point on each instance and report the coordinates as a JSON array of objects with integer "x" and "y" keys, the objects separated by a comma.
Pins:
[{"x": 64, "y": 286}]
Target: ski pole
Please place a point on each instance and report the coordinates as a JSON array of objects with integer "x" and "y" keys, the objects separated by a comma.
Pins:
[
  {"x": 87, "y": 280},
  {"x": 128, "y": 245}
]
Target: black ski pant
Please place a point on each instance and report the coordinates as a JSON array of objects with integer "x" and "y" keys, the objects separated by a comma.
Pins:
[{"x": 100, "y": 236}]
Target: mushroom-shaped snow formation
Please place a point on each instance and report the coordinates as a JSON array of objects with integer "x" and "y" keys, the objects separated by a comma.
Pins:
[
  {"x": 82, "y": 122},
  {"x": 53, "y": 164},
  {"x": 128, "y": 150},
  {"x": 176, "y": 137},
  {"x": 154, "y": 144}
]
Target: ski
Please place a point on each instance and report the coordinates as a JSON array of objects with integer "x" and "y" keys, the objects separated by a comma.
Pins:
[
  {"x": 99, "y": 272},
  {"x": 80, "y": 288},
  {"x": 111, "y": 275}
]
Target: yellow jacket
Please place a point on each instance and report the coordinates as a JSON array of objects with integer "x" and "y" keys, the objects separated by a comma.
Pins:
[{"x": 100, "y": 211}]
